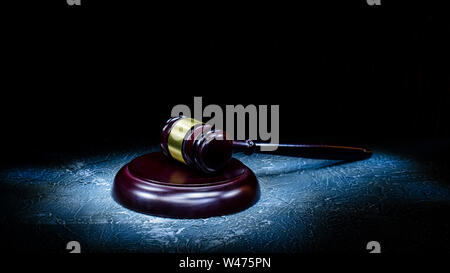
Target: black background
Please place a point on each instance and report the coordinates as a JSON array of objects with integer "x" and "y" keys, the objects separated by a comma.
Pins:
[{"x": 109, "y": 74}]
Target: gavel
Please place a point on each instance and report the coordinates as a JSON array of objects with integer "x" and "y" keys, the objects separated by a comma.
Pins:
[{"x": 208, "y": 149}]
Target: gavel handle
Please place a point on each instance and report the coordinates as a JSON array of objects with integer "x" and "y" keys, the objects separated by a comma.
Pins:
[{"x": 316, "y": 151}]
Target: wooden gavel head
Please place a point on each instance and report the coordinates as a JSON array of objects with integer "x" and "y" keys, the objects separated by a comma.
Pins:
[
  {"x": 196, "y": 144},
  {"x": 208, "y": 149}
]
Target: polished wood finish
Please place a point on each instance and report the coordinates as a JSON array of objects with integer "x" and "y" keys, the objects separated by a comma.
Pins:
[
  {"x": 208, "y": 150},
  {"x": 317, "y": 151},
  {"x": 204, "y": 147},
  {"x": 156, "y": 185}
]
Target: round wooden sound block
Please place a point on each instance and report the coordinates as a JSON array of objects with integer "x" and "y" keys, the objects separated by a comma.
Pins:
[{"x": 154, "y": 184}]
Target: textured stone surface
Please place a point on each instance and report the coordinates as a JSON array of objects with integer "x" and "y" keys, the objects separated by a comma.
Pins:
[{"x": 400, "y": 197}]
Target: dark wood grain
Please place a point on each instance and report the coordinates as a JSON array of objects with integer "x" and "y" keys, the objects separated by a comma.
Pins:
[
  {"x": 209, "y": 150},
  {"x": 154, "y": 184}
]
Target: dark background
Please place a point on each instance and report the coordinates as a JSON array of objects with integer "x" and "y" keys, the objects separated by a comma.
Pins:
[
  {"x": 102, "y": 75},
  {"x": 99, "y": 75}
]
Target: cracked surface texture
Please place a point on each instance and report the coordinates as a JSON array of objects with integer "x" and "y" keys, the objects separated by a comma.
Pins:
[{"x": 399, "y": 197}]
